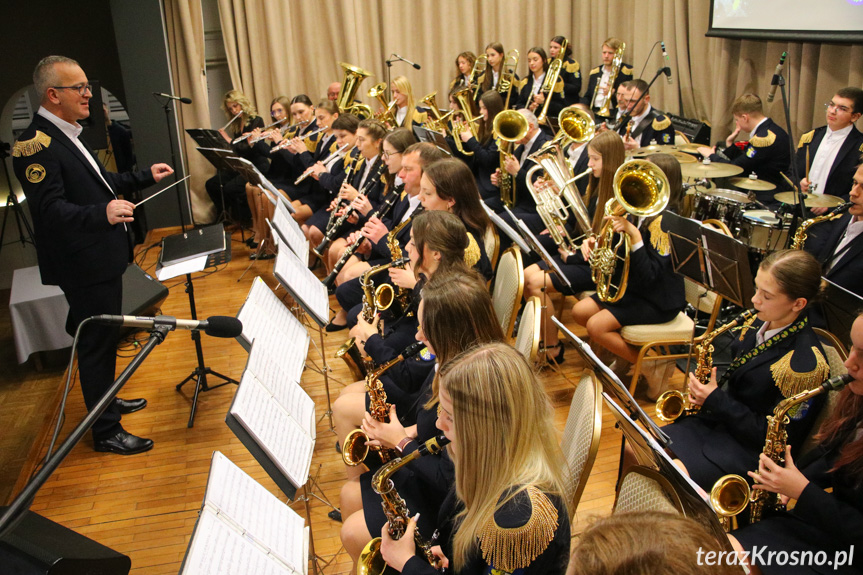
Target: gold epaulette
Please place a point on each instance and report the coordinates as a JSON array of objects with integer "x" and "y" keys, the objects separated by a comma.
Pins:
[
  {"x": 571, "y": 67},
  {"x": 510, "y": 548},
  {"x": 471, "y": 253},
  {"x": 860, "y": 149},
  {"x": 763, "y": 141},
  {"x": 558, "y": 86},
  {"x": 333, "y": 147},
  {"x": 595, "y": 70},
  {"x": 626, "y": 70},
  {"x": 805, "y": 139},
  {"x": 747, "y": 325},
  {"x": 24, "y": 148},
  {"x": 661, "y": 123},
  {"x": 519, "y": 83},
  {"x": 312, "y": 143},
  {"x": 658, "y": 237},
  {"x": 792, "y": 382},
  {"x": 420, "y": 117}
]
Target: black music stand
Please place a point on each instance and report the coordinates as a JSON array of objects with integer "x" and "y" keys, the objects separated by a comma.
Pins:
[
  {"x": 434, "y": 138},
  {"x": 839, "y": 308}
]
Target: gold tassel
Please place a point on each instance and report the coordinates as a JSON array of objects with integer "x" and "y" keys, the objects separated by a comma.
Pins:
[
  {"x": 659, "y": 238},
  {"x": 805, "y": 139},
  {"x": 792, "y": 382},
  {"x": 511, "y": 548},
  {"x": 471, "y": 253},
  {"x": 26, "y": 148},
  {"x": 763, "y": 141}
]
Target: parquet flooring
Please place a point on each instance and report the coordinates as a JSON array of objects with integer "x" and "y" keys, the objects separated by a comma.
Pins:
[{"x": 146, "y": 505}]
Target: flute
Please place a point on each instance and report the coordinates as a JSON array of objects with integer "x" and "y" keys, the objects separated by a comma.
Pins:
[
  {"x": 263, "y": 135},
  {"x": 328, "y": 163},
  {"x": 231, "y": 121},
  {"x": 286, "y": 142}
]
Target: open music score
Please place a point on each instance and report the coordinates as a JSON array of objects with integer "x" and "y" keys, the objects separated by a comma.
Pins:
[
  {"x": 289, "y": 231},
  {"x": 243, "y": 528},
  {"x": 304, "y": 286},
  {"x": 269, "y": 369},
  {"x": 506, "y": 228}
]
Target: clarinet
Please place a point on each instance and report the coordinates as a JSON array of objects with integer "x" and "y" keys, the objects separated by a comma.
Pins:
[
  {"x": 340, "y": 203},
  {"x": 349, "y": 251},
  {"x": 335, "y": 230}
]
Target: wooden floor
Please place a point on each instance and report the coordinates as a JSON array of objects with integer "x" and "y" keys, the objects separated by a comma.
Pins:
[{"x": 146, "y": 505}]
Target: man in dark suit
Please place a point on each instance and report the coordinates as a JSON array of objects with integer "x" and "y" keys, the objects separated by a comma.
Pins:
[
  {"x": 82, "y": 240},
  {"x": 766, "y": 154},
  {"x": 648, "y": 124},
  {"x": 827, "y": 157}
]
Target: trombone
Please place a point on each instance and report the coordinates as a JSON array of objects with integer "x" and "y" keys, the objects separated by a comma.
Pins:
[
  {"x": 479, "y": 67},
  {"x": 507, "y": 76},
  {"x": 550, "y": 80}
]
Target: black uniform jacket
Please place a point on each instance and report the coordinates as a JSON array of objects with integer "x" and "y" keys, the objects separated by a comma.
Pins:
[{"x": 839, "y": 179}]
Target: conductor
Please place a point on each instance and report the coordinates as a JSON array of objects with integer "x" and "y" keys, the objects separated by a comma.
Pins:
[{"x": 82, "y": 239}]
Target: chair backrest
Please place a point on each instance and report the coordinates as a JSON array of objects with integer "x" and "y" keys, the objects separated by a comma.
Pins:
[
  {"x": 644, "y": 489},
  {"x": 828, "y": 338},
  {"x": 527, "y": 335},
  {"x": 491, "y": 243},
  {"x": 837, "y": 367},
  {"x": 508, "y": 289},
  {"x": 580, "y": 441},
  {"x": 680, "y": 137}
]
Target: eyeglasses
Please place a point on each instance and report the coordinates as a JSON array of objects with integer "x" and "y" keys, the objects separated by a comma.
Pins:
[
  {"x": 843, "y": 109},
  {"x": 82, "y": 89},
  {"x": 386, "y": 154}
]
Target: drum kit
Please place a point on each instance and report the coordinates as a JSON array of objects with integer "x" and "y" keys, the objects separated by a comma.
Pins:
[{"x": 761, "y": 229}]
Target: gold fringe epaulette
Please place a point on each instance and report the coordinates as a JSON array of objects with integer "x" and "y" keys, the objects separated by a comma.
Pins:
[
  {"x": 333, "y": 147},
  {"x": 511, "y": 548},
  {"x": 571, "y": 67},
  {"x": 860, "y": 149},
  {"x": 519, "y": 83},
  {"x": 747, "y": 326},
  {"x": 626, "y": 70},
  {"x": 471, "y": 253},
  {"x": 659, "y": 238},
  {"x": 37, "y": 143},
  {"x": 792, "y": 382},
  {"x": 312, "y": 143},
  {"x": 558, "y": 86},
  {"x": 763, "y": 141},
  {"x": 805, "y": 139},
  {"x": 661, "y": 123},
  {"x": 595, "y": 70}
]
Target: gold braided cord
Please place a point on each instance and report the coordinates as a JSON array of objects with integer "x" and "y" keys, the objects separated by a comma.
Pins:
[
  {"x": 792, "y": 382},
  {"x": 471, "y": 253}
]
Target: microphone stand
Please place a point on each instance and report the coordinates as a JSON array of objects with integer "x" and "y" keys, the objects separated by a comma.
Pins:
[
  {"x": 22, "y": 502},
  {"x": 799, "y": 214},
  {"x": 626, "y": 117},
  {"x": 167, "y": 108}
]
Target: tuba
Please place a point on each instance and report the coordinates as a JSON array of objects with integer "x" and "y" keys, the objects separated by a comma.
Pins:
[
  {"x": 387, "y": 114},
  {"x": 673, "y": 403},
  {"x": 551, "y": 76},
  {"x": 801, "y": 234},
  {"x": 507, "y": 76},
  {"x": 350, "y": 84},
  {"x": 509, "y": 127},
  {"x": 641, "y": 189},
  {"x": 355, "y": 450},
  {"x": 616, "y": 63},
  {"x": 370, "y": 561}
]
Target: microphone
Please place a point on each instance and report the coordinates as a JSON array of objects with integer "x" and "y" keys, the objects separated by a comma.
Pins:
[
  {"x": 667, "y": 68},
  {"x": 215, "y": 326},
  {"x": 414, "y": 64},
  {"x": 775, "y": 81},
  {"x": 170, "y": 97}
]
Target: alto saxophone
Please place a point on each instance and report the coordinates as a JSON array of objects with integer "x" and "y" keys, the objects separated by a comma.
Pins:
[
  {"x": 777, "y": 438},
  {"x": 370, "y": 561},
  {"x": 355, "y": 450},
  {"x": 673, "y": 403},
  {"x": 398, "y": 294},
  {"x": 801, "y": 234}
]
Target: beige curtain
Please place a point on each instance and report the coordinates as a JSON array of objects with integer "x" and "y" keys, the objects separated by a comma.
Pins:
[
  {"x": 185, "y": 28},
  {"x": 293, "y": 47}
]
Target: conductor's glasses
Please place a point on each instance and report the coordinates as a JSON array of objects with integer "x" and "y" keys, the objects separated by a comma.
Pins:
[{"x": 82, "y": 89}]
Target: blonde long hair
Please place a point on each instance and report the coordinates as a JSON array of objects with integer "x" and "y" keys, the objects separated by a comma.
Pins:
[
  {"x": 506, "y": 439},
  {"x": 404, "y": 86},
  {"x": 249, "y": 110}
]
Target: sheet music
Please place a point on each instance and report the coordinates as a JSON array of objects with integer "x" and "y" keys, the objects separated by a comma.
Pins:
[
  {"x": 268, "y": 370},
  {"x": 290, "y": 232},
  {"x": 506, "y": 228},
  {"x": 255, "y": 511},
  {"x": 284, "y": 439},
  {"x": 541, "y": 251},
  {"x": 307, "y": 289},
  {"x": 707, "y": 259}
]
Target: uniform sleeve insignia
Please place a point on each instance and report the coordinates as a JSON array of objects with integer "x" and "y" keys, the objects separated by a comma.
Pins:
[
  {"x": 750, "y": 152},
  {"x": 24, "y": 148},
  {"x": 666, "y": 139},
  {"x": 471, "y": 253},
  {"x": 626, "y": 70},
  {"x": 509, "y": 548},
  {"x": 35, "y": 173},
  {"x": 763, "y": 141},
  {"x": 805, "y": 139},
  {"x": 661, "y": 123},
  {"x": 792, "y": 382},
  {"x": 595, "y": 71},
  {"x": 658, "y": 237},
  {"x": 426, "y": 355}
]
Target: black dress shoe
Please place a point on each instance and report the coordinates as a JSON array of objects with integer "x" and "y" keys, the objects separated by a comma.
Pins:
[
  {"x": 130, "y": 405},
  {"x": 331, "y": 327},
  {"x": 335, "y": 515},
  {"x": 124, "y": 443},
  {"x": 252, "y": 243},
  {"x": 261, "y": 256}
]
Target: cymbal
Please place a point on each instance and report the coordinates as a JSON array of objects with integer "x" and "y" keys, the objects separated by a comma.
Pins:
[
  {"x": 654, "y": 149},
  {"x": 683, "y": 158},
  {"x": 809, "y": 200},
  {"x": 689, "y": 148},
  {"x": 711, "y": 170},
  {"x": 753, "y": 184}
]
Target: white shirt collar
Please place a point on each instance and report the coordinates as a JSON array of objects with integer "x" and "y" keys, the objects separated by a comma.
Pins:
[
  {"x": 637, "y": 119},
  {"x": 838, "y": 133},
  {"x": 764, "y": 334},
  {"x": 71, "y": 130}
]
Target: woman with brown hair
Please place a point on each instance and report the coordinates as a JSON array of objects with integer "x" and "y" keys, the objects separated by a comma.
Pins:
[
  {"x": 537, "y": 64},
  {"x": 489, "y": 79},
  {"x": 570, "y": 72},
  {"x": 486, "y": 157},
  {"x": 455, "y": 314},
  {"x": 464, "y": 65}
]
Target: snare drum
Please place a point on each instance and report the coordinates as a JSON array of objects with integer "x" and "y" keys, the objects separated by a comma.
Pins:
[
  {"x": 724, "y": 205},
  {"x": 763, "y": 231}
]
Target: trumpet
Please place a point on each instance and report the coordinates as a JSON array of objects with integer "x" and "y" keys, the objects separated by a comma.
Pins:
[{"x": 327, "y": 162}]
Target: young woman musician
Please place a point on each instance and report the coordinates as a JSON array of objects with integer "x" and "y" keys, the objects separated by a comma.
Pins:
[
  {"x": 820, "y": 521},
  {"x": 570, "y": 73},
  {"x": 463, "y": 65},
  {"x": 302, "y": 123},
  {"x": 490, "y": 78},
  {"x": 605, "y": 154},
  {"x": 456, "y": 314},
  {"x": 775, "y": 357},
  {"x": 486, "y": 157},
  {"x": 650, "y": 265},
  {"x": 507, "y": 512},
  {"x": 236, "y": 105},
  {"x": 407, "y": 114},
  {"x": 530, "y": 95}
]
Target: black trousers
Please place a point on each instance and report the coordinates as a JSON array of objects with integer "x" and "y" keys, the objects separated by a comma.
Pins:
[{"x": 97, "y": 347}]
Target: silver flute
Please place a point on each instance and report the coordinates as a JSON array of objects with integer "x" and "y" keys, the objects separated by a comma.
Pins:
[{"x": 328, "y": 162}]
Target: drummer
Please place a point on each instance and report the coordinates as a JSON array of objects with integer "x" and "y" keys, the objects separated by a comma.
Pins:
[
  {"x": 649, "y": 126},
  {"x": 766, "y": 154}
]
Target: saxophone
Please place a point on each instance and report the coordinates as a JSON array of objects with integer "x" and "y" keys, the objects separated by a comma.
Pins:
[
  {"x": 355, "y": 450},
  {"x": 400, "y": 295},
  {"x": 370, "y": 561},
  {"x": 777, "y": 438},
  {"x": 801, "y": 234},
  {"x": 673, "y": 403}
]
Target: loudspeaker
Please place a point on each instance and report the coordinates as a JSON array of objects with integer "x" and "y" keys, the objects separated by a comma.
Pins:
[
  {"x": 142, "y": 293},
  {"x": 38, "y": 546},
  {"x": 697, "y": 132}
]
